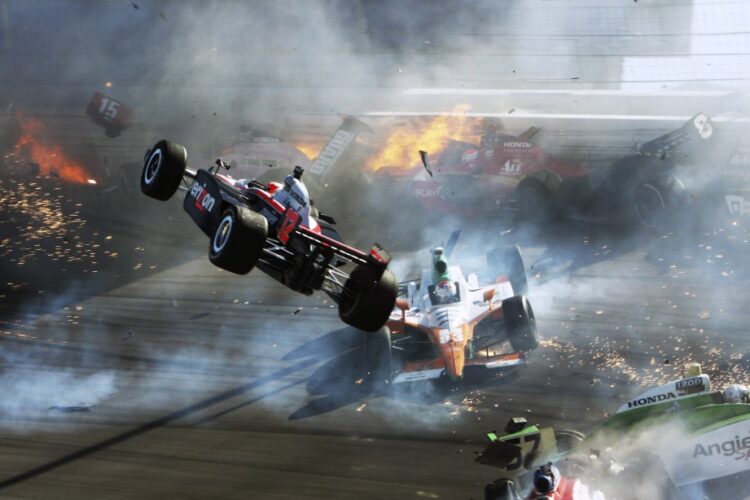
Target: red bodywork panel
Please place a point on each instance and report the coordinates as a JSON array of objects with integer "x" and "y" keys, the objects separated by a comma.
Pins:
[{"x": 467, "y": 174}]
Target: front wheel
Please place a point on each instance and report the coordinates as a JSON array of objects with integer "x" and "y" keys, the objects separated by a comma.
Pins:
[
  {"x": 502, "y": 489},
  {"x": 366, "y": 304},
  {"x": 163, "y": 169},
  {"x": 655, "y": 202},
  {"x": 520, "y": 323},
  {"x": 534, "y": 203},
  {"x": 238, "y": 240}
]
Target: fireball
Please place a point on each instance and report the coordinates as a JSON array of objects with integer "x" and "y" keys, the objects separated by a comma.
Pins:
[
  {"x": 401, "y": 148},
  {"x": 52, "y": 160}
]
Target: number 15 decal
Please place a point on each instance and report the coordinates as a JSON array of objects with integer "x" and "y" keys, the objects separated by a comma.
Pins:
[{"x": 109, "y": 108}]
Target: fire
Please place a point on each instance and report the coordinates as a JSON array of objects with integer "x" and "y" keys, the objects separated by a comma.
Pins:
[
  {"x": 51, "y": 158},
  {"x": 402, "y": 146},
  {"x": 308, "y": 149}
]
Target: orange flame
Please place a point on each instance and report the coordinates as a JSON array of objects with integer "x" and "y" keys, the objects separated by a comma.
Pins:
[
  {"x": 401, "y": 149},
  {"x": 308, "y": 149},
  {"x": 51, "y": 158}
]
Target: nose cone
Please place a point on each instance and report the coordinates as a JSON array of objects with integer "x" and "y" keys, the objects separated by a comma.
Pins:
[{"x": 454, "y": 357}]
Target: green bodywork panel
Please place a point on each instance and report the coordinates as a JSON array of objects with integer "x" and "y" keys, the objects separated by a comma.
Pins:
[{"x": 533, "y": 445}]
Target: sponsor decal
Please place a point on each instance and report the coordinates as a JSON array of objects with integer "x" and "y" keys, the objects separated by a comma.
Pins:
[
  {"x": 511, "y": 167},
  {"x": 203, "y": 201},
  {"x": 298, "y": 197},
  {"x": 648, "y": 400},
  {"x": 331, "y": 153},
  {"x": 737, "y": 205},
  {"x": 737, "y": 447},
  {"x": 690, "y": 386},
  {"x": 517, "y": 145},
  {"x": 470, "y": 155},
  {"x": 428, "y": 192}
]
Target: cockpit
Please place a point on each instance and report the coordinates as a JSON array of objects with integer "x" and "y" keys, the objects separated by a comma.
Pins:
[{"x": 444, "y": 292}]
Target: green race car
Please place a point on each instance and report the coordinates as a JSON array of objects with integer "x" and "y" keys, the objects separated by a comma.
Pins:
[{"x": 678, "y": 440}]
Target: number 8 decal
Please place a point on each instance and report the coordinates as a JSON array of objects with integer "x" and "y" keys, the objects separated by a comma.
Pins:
[{"x": 703, "y": 125}]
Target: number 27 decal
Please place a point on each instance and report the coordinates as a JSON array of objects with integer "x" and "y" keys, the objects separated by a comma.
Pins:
[{"x": 518, "y": 460}]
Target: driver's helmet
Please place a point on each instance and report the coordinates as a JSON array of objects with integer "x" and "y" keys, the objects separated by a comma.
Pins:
[
  {"x": 445, "y": 290},
  {"x": 546, "y": 479},
  {"x": 736, "y": 393}
]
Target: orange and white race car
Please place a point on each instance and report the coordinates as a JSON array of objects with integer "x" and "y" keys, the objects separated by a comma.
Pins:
[{"x": 447, "y": 323}]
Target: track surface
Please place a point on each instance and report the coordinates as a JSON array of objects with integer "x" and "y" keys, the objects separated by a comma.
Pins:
[{"x": 208, "y": 384}]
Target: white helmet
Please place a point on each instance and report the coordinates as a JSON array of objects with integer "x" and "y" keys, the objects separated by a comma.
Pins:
[
  {"x": 445, "y": 290},
  {"x": 736, "y": 393}
]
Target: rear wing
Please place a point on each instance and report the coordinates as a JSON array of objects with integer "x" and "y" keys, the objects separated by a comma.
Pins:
[
  {"x": 322, "y": 166},
  {"x": 697, "y": 128}
]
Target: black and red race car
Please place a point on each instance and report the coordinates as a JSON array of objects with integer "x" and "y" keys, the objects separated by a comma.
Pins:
[{"x": 275, "y": 228}]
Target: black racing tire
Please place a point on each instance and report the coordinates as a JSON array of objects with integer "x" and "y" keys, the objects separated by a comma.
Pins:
[
  {"x": 329, "y": 230},
  {"x": 520, "y": 323},
  {"x": 567, "y": 439},
  {"x": 366, "y": 304},
  {"x": 502, "y": 489},
  {"x": 534, "y": 202},
  {"x": 508, "y": 261},
  {"x": 163, "y": 169},
  {"x": 654, "y": 203},
  {"x": 378, "y": 357},
  {"x": 237, "y": 241}
]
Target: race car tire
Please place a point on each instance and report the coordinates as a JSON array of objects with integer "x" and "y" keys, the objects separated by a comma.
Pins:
[
  {"x": 163, "y": 169},
  {"x": 502, "y": 489},
  {"x": 238, "y": 240},
  {"x": 655, "y": 202},
  {"x": 567, "y": 439},
  {"x": 520, "y": 323},
  {"x": 508, "y": 261},
  {"x": 534, "y": 203},
  {"x": 366, "y": 304},
  {"x": 378, "y": 357},
  {"x": 329, "y": 230}
]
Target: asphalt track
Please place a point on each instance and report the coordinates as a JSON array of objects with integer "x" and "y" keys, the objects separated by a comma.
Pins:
[{"x": 191, "y": 383}]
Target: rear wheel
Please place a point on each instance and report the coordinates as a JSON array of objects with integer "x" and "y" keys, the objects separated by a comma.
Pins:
[
  {"x": 238, "y": 240},
  {"x": 508, "y": 261},
  {"x": 534, "y": 202},
  {"x": 163, "y": 169},
  {"x": 520, "y": 323},
  {"x": 655, "y": 202},
  {"x": 502, "y": 489},
  {"x": 567, "y": 439},
  {"x": 367, "y": 303}
]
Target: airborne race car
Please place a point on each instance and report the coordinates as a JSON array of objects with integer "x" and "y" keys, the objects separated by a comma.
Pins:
[
  {"x": 447, "y": 324},
  {"x": 276, "y": 229},
  {"x": 679, "y": 440}
]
